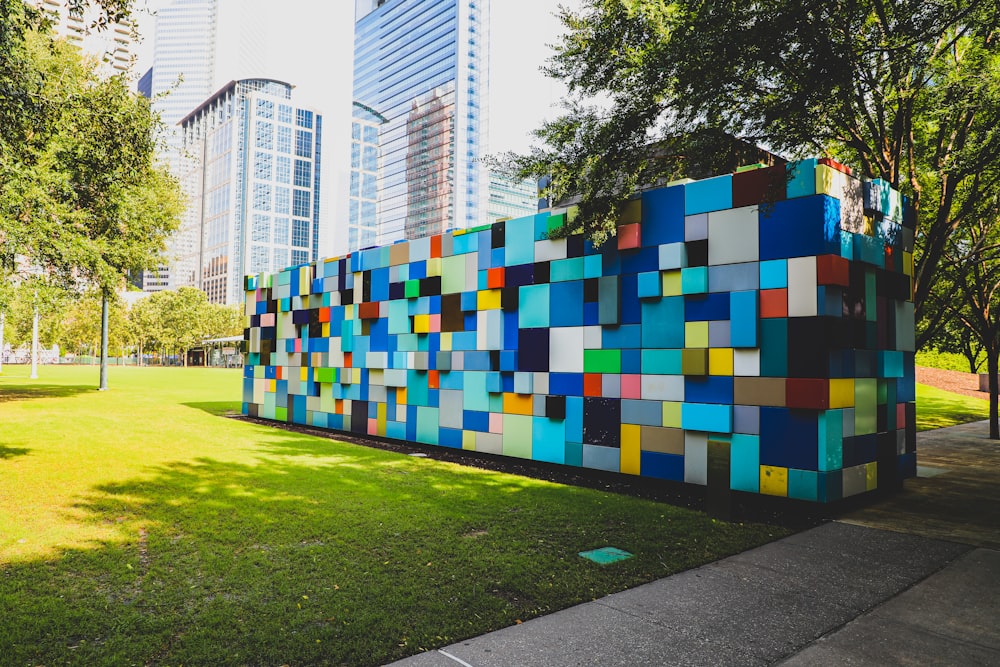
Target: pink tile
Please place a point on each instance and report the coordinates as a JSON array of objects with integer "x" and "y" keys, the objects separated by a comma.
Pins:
[
  {"x": 632, "y": 386},
  {"x": 496, "y": 422}
]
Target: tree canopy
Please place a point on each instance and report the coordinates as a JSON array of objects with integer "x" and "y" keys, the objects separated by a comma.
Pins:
[
  {"x": 907, "y": 91},
  {"x": 82, "y": 195}
]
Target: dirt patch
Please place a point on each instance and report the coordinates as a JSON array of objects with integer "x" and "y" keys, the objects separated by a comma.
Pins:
[{"x": 957, "y": 382}]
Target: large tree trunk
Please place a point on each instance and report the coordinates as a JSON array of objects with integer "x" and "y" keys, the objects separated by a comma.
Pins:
[
  {"x": 104, "y": 341},
  {"x": 992, "y": 364}
]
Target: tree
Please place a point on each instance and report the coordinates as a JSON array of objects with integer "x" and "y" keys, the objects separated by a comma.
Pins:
[
  {"x": 85, "y": 197},
  {"x": 907, "y": 91},
  {"x": 972, "y": 265},
  {"x": 82, "y": 324}
]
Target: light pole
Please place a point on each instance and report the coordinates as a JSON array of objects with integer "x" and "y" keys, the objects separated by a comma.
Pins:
[{"x": 34, "y": 341}]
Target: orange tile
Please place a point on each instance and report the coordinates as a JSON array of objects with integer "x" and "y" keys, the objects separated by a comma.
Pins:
[
  {"x": 593, "y": 384},
  {"x": 495, "y": 278},
  {"x": 433, "y": 380},
  {"x": 774, "y": 303},
  {"x": 436, "y": 246},
  {"x": 517, "y": 404}
]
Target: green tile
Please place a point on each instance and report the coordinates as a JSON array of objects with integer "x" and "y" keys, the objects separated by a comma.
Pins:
[{"x": 602, "y": 361}]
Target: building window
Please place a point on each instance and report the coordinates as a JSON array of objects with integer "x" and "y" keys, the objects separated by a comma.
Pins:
[
  {"x": 261, "y": 197},
  {"x": 371, "y": 158},
  {"x": 355, "y": 184},
  {"x": 303, "y": 174},
  {"x": 303, "y": 143},
  {"x": 300, "y": 257},
  {"x": 258, "y": 259},
  {"x": 369, "y": 191},
  {"x": 304, "y": 118},
  {"x": 371, "y": 135},
  {"x": 300, "y": 233},
  {"x": 284, "y": 170},
  {"x": 284, "y": 114},
  {"x": 261, "y": 228},
  {"x": 284, "y": 139},
  {"x": 281, "y": 200},
  {"x": 301, "y": 203},
  {"x": 265, "y": 135},
  {"x": 265, "y": 109},
  {"x": 356, "y": 131},
  {"x": 281, "y": 228},
  {"x": 355, "y": 155},
  {"x": 262, "y": 166},
  {"x": 280, "y": 258}
]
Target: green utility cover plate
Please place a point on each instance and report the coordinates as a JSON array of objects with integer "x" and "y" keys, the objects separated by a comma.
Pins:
[{"x": 605, "y": 555}]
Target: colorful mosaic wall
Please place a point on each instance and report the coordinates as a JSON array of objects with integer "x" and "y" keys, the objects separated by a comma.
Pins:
[{"x": 759, "y": 320}]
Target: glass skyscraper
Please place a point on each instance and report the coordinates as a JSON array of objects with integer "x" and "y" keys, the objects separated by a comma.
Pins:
[
  {"x": 420, "y": 78},
  {"x": 253, "y": 184}
]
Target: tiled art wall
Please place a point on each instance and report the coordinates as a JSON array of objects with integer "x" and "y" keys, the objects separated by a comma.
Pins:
[{"x": 757, "y": 323}]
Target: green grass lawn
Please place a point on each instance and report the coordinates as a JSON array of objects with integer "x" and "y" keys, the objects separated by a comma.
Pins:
[
  {"x": 140, "y": 526},
  {"x": 937, "y": 408}
]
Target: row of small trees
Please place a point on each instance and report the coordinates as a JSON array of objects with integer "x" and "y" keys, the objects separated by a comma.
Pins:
[{"x": 166, "y": 323}]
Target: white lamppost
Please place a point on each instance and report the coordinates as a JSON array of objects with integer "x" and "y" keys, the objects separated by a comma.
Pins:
[{"x": 34, "y": 341}]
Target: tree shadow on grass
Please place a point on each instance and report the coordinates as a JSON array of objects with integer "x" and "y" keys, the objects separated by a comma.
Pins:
[
  {"x": 23, "y": 392},
  {"x": 217, "y": 408},
  {"x": 361, "y": 557},
  {"x": 11, "y": 452}
]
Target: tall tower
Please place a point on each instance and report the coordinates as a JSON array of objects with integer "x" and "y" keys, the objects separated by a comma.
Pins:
[
  {"x": 200, "y": 45},
  {"x": 422, "y": 65},
  {"x": 113, "y": 45},
  {"x": 253, "y": 183}
]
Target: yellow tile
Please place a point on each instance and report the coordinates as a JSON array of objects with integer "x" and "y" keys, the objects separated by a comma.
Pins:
[
  {"x": 841, "y": 392},
  {"x": 774, "y": 481},
  {"x": 672, "y": 283},
  {"x": 631, "y": 212},
  {"x": 304, "y": 373},
  {"x": 446, "y": 341},
  {"x": 671, "y": 414},
  {"x": 434, "y": 266},
  {"x": 421, "y": 324},
  {"x": 908, "y": 263},
  {"x": 869, "y": 225},
  {"x": 720, "y": 361},
  {"x": 355, "y": 376},
  {"x": 401, "y": 395},
  {"x": 488, "y": 299},
  {"x": 326, "y": 330},
  {"x": 469, "y": 440},
  {"x": 273, "y": 387},
  {"x": 696, "y": 334},
  {"x": 380, "y": 418},
  {"x": 630, "y": 449},
  {"x": 871, "y": 476},
  {"x": 349, "y": 312},
  {"x": 518, "y": 404}
]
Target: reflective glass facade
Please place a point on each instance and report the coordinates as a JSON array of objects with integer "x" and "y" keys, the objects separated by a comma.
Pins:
[
  {"x": 511, "y": 199},
  {"x": 253, "y": 184},
  {"x": 421, "y": 67}
]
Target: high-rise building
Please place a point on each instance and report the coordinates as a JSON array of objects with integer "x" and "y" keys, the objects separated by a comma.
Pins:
[
  {"x": 199, "y": 46},
  {"x": 362, "y": 228},
  {"x": 253, "y": 183},
  {"x": 112, "y": 45},
  {"x": 421, "y": 66},
  {"x": 510, "y": 198}
]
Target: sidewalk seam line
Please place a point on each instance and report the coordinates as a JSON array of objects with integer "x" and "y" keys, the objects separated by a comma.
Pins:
[{"x": 458, "y": 660}]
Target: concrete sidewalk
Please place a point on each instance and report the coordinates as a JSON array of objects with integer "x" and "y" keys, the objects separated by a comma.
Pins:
[{"x": 841, "y": 594}]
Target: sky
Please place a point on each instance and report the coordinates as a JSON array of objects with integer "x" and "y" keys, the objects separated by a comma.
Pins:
[{"x": 320, "y": 33}]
